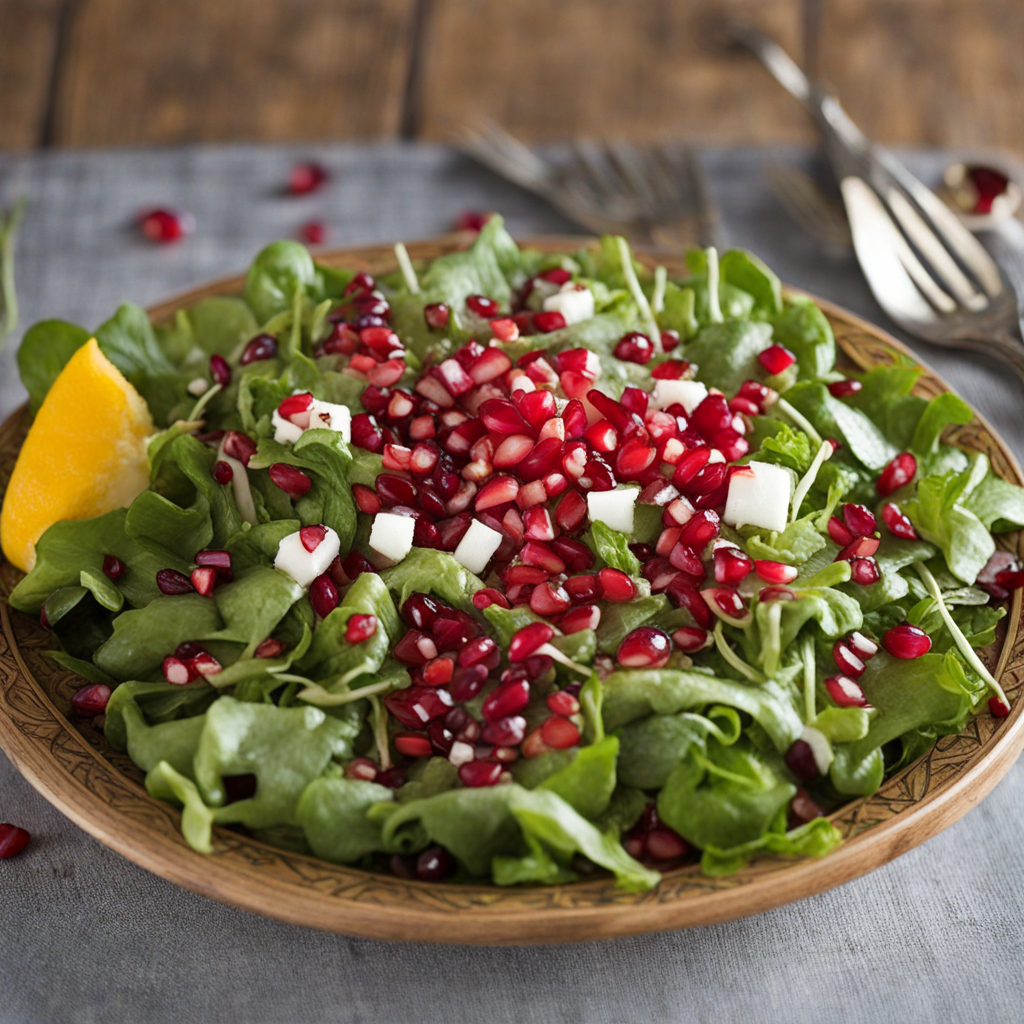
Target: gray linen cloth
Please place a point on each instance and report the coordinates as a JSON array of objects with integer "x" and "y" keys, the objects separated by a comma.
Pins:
[{"x": 87, "y": 936}]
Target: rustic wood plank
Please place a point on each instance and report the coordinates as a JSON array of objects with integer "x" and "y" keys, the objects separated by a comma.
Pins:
[
  {"x": 605, "y": 67},
  {"x": 930, "y": 72},
  {"x": 28, "y": 42},
  {"x": 169, "y": 71}
]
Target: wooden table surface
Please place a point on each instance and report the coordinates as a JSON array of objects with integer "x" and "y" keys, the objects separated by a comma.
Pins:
[{"x": 89, "y": 73}]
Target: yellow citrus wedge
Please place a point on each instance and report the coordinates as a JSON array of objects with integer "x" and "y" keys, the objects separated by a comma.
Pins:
[{"x": 85, "y": 454}]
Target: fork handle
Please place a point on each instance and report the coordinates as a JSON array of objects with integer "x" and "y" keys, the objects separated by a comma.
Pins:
[{"x": 1003, "y": 348}]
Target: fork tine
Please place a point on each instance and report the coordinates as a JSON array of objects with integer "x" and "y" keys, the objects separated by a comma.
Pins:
[
  {"x": 594, "y": 170},
  {"x": 894, "y": 272},
  {"x": 932, "y": 248},
  {"x": 632, "y": 165}
]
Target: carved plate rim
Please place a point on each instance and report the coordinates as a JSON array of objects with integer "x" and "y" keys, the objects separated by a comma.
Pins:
[{"x": 69, "y": 765}]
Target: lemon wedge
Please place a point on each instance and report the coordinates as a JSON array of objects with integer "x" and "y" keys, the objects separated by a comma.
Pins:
[{"x": 85, "y": 454}]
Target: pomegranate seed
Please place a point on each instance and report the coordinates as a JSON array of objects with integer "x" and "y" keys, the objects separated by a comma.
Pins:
[
  {"x": 270, "y": 648},
  {"x": 434, "y": 864},
  {"x": 906, "y": 641},
  {"x": 306, "y": 177},
  {"x": 583, "y": 589},
  {"x": 485, "y": 598},
  {"x": 292, "y": 481},
  {"x": 113, "y": 567},
  {"x": 999, "y": 563},
  {"x": 998, "y": 707},
  {"x": 177, "y": 672},
  {"x": 90, "y": 700},
  {"x": 571, "y": 511},
  {"x": 712, "y": 416},
  {"x": 529, "y": 638},
  {"x": 864, "y": 648},
  {"x": 690, "y": 639},
  {"x": 775, "y": 572},
  {"x": 560, "y": 733},
  {"x": 725, "y": 601},
  {"x": 587, "y": 616},
  {"x": 222, "y": 472},
  {"x": 701, "y": 528},
  {"x": 635, "y": 348},
  {"x": 12, "y": 840},
  {"x": 664, "y": 844},
  {"x": 507, "y": 699},
  {"x": 1010, "y": 579},
  {"x": 775, "y": 359},
  {"x": 501, "y": 416},
  {"x": 413, "y": 744},
  {"x": 615, "y": 585},
  {"x": 685, "y": 595},
  {"x": 263, "y": 346},
  {"x": 356, "y": 563},
  {"x": 205, "y": 665},
  {"x": 505, "y": 329},
  {"x": 846, "y": 692},
  {"x": 204, "y": 579},
  {"x": 481, "y": 651},
  {"x": 395, "y": 490},
  {"x": 361, "y": 768},
  {"x": 471, "y": 220},
  {"x": 689, "y": 465},
  {"x": 562, "y": 703},
  {"x": 645, "y": 647},
  {"x": 483, "y": 307},
  {"x": 220, "y": 371},
  {"x": 864, "y": 571},
  {"x": 313, "y": 232},
  {"x": 415, "y": 706},
  {"x": 898, "y": 473},
  {"x": 506, "y": 732},
  {"x": 897, "y": 523},
  {"x": 323, "y": 596},
  {"x": 545, "y": 323},
  {"x": 846, "y": 660},
  {"x": 360, "y": 628},
  {"x": 166, "y": 225},
  {"x": 239, "y": 446},
  {"x": 634, "y": 459},
  {"x": 477, "y": 774},
  {"x": 312, "y": 536},
  {"x": 536, "y": 407},
  {"x": 467, "y": 682},
  {"x": 549, "y": 599},
  {"x": 732, "y": 566},
  {"x": 671, "y": 369},
  {"x": 172, "y": 582},
  {"x": 860, "y": 521},
  {"x": 838, "y": 532},
  {"x": 686, "y": 560},
  {"x": 189, "y": 650},
  {"x": 438, "y": 671},
  {"x": 800, "y": 759},
  {"x": 844, "y": 388},
  {"x": 393, "y": 778},
  {"x": 498, "y": 491},
  {"x": 861, "y": 547},
  {"x": 437, "y": 315}
]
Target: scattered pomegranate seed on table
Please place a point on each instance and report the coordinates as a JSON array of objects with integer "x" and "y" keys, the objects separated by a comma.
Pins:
[
  {"x": 165, "y": 225},
  {"x": 12, "y": 840},
  {"x": 306, "y": 177},
  {"x": 313, "y": 232}
]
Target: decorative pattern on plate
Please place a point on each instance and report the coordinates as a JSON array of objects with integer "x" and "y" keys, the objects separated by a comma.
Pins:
[{"x": 70, "y": 763}]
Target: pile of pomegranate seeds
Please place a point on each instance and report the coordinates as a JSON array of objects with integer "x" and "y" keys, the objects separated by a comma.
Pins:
[{"x": 858, "y": 539}]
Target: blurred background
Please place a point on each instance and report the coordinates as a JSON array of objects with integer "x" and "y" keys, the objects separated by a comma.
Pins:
[{"x": 110, "y": 73}]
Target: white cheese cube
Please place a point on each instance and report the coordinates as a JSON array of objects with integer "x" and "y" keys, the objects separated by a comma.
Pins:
[
  {"x": 333, "y": 416},
  {"x": 284, "y": 430},
  {"x": 688, "y": 393},
  {"x": 613, "y": 508},
  {"x": 304, "y": 566},
  {"x": 759, "y": 495},
  {"x": 575, "y": 304},
  {"x": 477, "y": 547},
  {"x": 391, "y": 535}
]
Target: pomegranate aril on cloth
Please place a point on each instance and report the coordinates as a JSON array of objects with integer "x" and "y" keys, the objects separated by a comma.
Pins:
[{"x": 13, "y": 840}]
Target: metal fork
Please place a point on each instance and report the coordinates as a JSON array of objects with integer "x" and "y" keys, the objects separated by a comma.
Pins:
[
  {"x": 927, "y": 271},
  {"x": 655, "y": 195}
]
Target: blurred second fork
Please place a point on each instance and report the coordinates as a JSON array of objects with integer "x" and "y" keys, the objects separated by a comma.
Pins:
[{"x": 655, "y": 195}]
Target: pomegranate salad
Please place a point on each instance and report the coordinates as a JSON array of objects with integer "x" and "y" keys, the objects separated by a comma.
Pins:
[{"x": 521, "y": 566}]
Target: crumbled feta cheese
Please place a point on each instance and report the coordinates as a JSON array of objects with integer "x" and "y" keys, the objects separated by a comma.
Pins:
[
  {"x": 613, "y": 508},
  {"x": 461, "y": 753},
  {"x": 335, "y": 417},
  {"x": 574, "y": 303},
  {"x": 477, "y": 546},
  {"x": 391, "y": 535},
  {"x": 687, "y": 393},
  {"x": 284, "y": 430},
  {"x": 759, "y": 495},
  {"x": 304, "y": 566}
]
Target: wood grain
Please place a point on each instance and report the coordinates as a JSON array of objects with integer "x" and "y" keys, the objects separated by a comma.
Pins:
[
  {"x": 168, "y": 71},
  {"x": 605, "y": 68},
  {"x": 28, "y": 42},
  {"x": 69, "y": 762},
  {"x": 930, "y": 72}
]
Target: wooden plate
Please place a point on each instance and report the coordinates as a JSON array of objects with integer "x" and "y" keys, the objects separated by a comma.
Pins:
[{"x": 69, "y": 762}]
